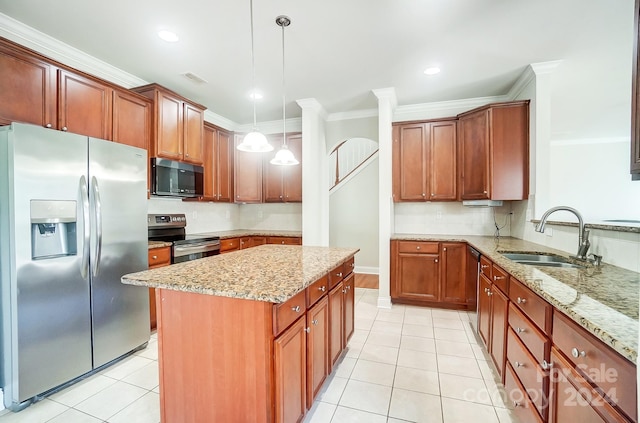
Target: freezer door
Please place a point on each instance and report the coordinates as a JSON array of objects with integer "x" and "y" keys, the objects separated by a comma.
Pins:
[
  {"x": 118, "y": 192},
  {"x": 45, "y": 300}
]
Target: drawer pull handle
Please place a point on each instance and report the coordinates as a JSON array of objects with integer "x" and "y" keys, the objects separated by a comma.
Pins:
[
  {"x": 307, "y": 330},
  {"x": 154, "y": 257},
  {"x": 577, "y": 353},
  {"x": 515, "y": 403},
  {"x": 352, "y": 264},
  {"x": 296, "y": 309},
  {"x": 339, "y": 274},
  {"x": 522, "y": 300},
  {"x": 518, "y": 364},
  {"x": 484, "y": 266},
  {"x": 322, "y": 288},
  {"x": 497, "y": 278},
  {"x": 519, "y": 330},
  {"x": 436, "y": 260},
  {"x": 344, "y": 291},
  {"x": 314, "y": 321},
  {"x": 546, "y": 365},
  {"x": 418, "y": 247},
  {"x": 489, "y": 293}
]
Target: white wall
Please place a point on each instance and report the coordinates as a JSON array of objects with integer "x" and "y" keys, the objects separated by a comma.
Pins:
[
  {"x": 276, "y": 216},
  {"x": 353, "y": 217}
]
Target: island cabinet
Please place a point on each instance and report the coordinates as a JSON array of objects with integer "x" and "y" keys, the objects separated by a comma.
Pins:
[
  {"x": 218, "y": 154},
  {"x": 431, "y": 273},
  {"x": 41, "y": 91},
  {"x": 157, "y": 257},
  {"x": 341, "y": 309},
  {"x": 283, "y": 184},
  {"x": 494, "y": 152},
  {"x": 178, "y": 125},
  {"x": 226, "y": 359},
  {"x": 493, "y": 305},
  {"x": 424, "y": 161}
]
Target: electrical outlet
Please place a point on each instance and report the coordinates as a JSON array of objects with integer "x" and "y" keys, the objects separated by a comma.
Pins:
[{"x": 548, "y": 231}]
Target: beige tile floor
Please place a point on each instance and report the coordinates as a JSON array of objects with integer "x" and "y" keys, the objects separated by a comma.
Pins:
[{"x": 407, "y": 364}]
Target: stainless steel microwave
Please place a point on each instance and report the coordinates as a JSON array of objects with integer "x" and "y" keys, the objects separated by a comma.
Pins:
[{"x": 176, "y": 179}]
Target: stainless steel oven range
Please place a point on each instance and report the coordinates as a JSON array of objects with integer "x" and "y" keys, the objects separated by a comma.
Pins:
[{"x": 171, "y": 228}]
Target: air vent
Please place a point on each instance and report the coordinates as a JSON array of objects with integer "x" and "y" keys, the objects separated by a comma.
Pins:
[{"x": 195, "y": 78}]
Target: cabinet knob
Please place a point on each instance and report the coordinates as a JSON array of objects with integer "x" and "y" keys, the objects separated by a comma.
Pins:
[
  {"x": 519, "y": 330},
  {"x": 339, "y": 274},
  {"x": 444, "y": 249},
  {"x": 484, "y": 192},
  {"x": 577, "y": 353},
  {"x": 518, "y": 364},
  {"x": 418, "y": 247},
  {"x": 348, "y": 287},
  {"x": 296, "y": 309},
  {"x": 48, "y": 125},
  {"x": 424, "y": 195},
  {"x": 154, "y": 257},
  {"x": 489, "y": 293},
  {"x": 516, "y": 404},
  {"x": 484, "y": 266},
  {"x": 433, "y": 195},
  {"x": 314, "y": 321},
  {"x": 282, "y": 242},
  {"x": 281, "y": 196},
  {"x": 64, "y": 128},
  {"x": 546, "y": 365},
  {"x": 521, "y": 300},
  {"x": 322, "y": 288},
  {"x": 307, "y": 330},
  {"x": 436, "y": 260},
  {"x": 187, "y": 154},
  {"x": 344, "y": 291},
  {"x": 497, "y": 278}
]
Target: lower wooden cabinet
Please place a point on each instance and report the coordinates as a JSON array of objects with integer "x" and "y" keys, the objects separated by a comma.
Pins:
[
  {"x": 229, "y": 244},
  {"x": 290, "y": 373},
  {"x": 431, "y": 273},
  {"x": 348, "y": 308},
  {"x": 317, "y": 348},
  {"x": 284, "y": 240},
  {"x": 157, "y": 257},
  {"x": 335, "y": 323}
]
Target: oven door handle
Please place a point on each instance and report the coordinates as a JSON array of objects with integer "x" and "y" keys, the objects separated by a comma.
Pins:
[{"x": 198, "y": 248}]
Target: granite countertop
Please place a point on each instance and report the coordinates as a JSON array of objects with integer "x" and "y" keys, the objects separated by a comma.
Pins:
[
  {"x": 272, "y": 273},
  {"x": 159, "y": 244},
  {"x": 604, "y": 300},
  {"x": 237, "y": 233}
]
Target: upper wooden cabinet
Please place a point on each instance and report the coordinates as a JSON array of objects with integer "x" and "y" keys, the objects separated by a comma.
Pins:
[
  {"x": 41, "y": 91},
  {"x": 424, "y": 161},
  {"x": 218, "y": 152},
  {"x": 247, "y": 175},
  {"x": 178, "y": 125},
  {"x": 28, "y": 86},
  {"x": 494, "y": 152},
  {"x": 635, "y": 99},
  {"x": 283, "y": 184}
]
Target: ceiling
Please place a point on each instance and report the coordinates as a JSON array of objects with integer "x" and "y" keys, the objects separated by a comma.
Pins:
[{"x": 338, "y": 51}]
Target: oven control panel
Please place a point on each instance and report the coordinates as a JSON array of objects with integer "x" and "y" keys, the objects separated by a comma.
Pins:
[{"x": 166, "y": 220}]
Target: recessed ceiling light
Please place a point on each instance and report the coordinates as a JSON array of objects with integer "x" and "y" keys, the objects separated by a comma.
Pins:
[
  {"x": 168, "y": 36},
  {"x": 432, "y": 70},
  {"x": 255, "y": 95}
]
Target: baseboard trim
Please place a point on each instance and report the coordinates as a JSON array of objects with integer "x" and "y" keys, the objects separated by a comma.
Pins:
[
  {"x": 384, "y": 302},
  {"x": 367, "y": 270}
]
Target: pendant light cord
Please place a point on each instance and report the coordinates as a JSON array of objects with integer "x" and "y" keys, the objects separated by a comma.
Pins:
[
  {"x": 253, "y": 70},
  {"x": 284, "y": 102}
]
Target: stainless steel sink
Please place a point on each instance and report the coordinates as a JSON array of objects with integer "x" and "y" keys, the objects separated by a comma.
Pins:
[{"x": 548, "y": 260}]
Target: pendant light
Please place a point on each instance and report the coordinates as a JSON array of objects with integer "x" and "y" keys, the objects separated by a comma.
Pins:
[
  {"x": 254, "y": 141},
  {"x": 284, "y": 156}
]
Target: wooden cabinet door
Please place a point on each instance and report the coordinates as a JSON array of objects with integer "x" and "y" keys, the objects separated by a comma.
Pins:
[
  {"x": 223, "y": 153},
  {"x": 484, "y": 309},
  {"x": 84, "y": 105},
  {"x": 272, "y": 176},
  {"x": 336, "y": 327},
  {"x": 193, "y": 120},
  {"x": 454, "y": 283},
  {"x": 499, "y": 322},
  {"x": 247, "y": 175},
  {"x": 131, "y": 119},
  {"x": 474, "y": 151},
  {"x": 410, "y": 157},
  {"x": 443, "y": 169},
  {"x": 157, "y": 257},
  {"x": 348, "y": 308},
  {"x": 317, "y": 347},
  {"x": 169, "y": 131},
  {"x": 208, "y": 161},
  {"x": 28, "y": 87},
  {"x": 292, "y": 175},
  {"x": 290, "y": 367},
  {"x": 418, "y": 277}
]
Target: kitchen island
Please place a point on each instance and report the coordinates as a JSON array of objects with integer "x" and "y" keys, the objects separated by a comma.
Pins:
[{"x": 250, "y": 335}]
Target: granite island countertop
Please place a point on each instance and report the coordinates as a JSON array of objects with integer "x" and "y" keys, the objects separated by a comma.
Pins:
[
  {"x": 603, "y": 300},
  {"x": 271, "y": 273}
]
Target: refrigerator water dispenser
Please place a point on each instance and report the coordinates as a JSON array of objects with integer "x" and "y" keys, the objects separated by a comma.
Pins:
[{"x": 53, "y": 229}]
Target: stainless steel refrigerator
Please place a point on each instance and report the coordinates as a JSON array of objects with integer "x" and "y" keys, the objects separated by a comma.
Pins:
[{"x": 73, "y": 213}]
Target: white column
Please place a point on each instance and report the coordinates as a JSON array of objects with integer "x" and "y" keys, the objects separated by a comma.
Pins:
[
  {"x": 386, "y": 104},
  {"x": 315, "y": 192}
]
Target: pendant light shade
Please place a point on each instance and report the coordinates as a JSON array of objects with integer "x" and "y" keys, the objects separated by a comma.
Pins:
[
  {"x": 254, "y": 141},
  {"x": 284, "y": 156}
]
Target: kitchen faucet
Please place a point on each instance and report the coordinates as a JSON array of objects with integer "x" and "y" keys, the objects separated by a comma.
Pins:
[{"x": 583, "y": 234}]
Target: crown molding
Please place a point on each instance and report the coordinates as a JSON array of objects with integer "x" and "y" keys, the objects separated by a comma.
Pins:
[
  {"x": 273, "y": 126},
  {"x": 48, "y": 46},
  {"x": 313, "y": 105},
  {"x": 441, "y": 108},
  {"x": 220, "y": 121},
  {"x": 542, "y": 68}
]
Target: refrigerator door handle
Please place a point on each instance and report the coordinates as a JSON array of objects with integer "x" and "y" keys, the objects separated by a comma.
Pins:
[
  {"x": 95, "y": 191},
  {"x": 86, "y": 227}
]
